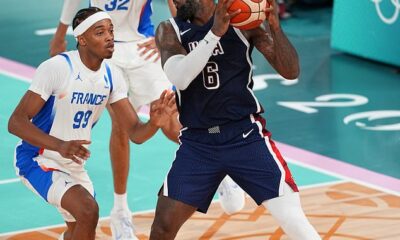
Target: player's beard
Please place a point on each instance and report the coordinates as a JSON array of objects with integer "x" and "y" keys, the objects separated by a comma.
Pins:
[{"x": 188, "y": 10}]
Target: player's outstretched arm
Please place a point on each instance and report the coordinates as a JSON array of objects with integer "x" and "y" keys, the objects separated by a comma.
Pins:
[
  {"x": 172, "y": 128},
  {"x": 58, "y": 44},
  {"x": 139, "y": 132},
  {"x": 20, "y": 125},
  {"x": 272, "y": 42}
]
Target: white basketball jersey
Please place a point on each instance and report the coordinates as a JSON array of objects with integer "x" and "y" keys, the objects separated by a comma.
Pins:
[
  {"x": 131, "y": 18},
  {"x": 75, "y": 98}
]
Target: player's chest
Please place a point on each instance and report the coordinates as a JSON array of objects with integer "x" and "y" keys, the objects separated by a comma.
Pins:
[{"x": 87, "y": 90}]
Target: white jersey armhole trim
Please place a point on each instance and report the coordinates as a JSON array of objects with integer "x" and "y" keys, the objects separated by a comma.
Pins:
[{"x": 176, "y": 28}]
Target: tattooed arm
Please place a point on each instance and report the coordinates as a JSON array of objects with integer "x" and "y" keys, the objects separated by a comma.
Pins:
[{"x": 272, "y": 42}]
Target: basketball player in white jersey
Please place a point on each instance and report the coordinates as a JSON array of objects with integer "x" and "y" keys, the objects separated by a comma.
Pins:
[
  {"x": 55, "y": 117},
  {"x": 138, "y": 58}
]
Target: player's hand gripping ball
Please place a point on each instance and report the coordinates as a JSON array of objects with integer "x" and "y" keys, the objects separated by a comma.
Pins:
[{"x": 252, "y": 13}]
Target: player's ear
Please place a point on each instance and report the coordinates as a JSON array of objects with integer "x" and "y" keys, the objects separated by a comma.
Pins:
[{"x": 82, "y": 41}]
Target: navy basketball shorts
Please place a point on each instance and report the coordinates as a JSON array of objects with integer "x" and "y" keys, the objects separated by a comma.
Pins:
[{"x": 242, "y": 149}]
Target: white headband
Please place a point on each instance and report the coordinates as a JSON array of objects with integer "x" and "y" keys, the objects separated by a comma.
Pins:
[{"x": 88, "y": 22}]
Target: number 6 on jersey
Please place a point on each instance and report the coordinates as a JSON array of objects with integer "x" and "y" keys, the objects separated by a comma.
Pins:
[{"x": 210, "y": 76}]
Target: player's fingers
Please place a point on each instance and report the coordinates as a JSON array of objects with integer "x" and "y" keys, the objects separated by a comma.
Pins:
[
  {"x": 82, "y": 154},
  {"x": 155, "y": 107},
  {"x": 144, "y": 44},
  {"x": 145, "y": 51},
  {"x": 162, "y": 96},
  {"x": 172, "y": 102},
  {"x": 84, "y": 151},
  {"x": 77, "y": 160},
  {"x": 158, "y": 57},
  {"x": 220, "y": 3},
  {"x": 167, "y": 98},
  {"x": 150, "y": 55},
  {"x": 82, "y": 142},
  {"x": 171, "y": 94},
  {"x": 268, "y": 9},
  {"x": 235, "y": 13}
]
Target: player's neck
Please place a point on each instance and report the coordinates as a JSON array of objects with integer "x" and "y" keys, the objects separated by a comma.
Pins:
[
  {"x": 91, "y": 61},
  {"x": 204, "y": 14}
]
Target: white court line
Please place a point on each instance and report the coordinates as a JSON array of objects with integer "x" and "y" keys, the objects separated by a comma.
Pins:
[
  {"x": 51, "y": 31},
  {"x": 324, "y": 184},
  {"x": 11, "y": 180},
  {"x": 333, "y": 174},
  {"x": 62, "y": 225},
  {"x": 15, "y": 76}
]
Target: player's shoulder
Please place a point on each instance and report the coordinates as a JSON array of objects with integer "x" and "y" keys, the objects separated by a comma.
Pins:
[
  {"x": 59, "y": 62},
  {"x": 166, "y": 23},
  {"x": 165, "y": 27}
]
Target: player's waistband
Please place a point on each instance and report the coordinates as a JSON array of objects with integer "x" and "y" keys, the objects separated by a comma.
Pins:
[{"x": 223, "y": 128}]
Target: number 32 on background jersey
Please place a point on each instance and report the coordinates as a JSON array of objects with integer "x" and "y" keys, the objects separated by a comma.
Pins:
[{"x": 116, "y": 5}]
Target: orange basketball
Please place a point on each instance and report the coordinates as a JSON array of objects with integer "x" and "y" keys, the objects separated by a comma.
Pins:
[{"x": 252, "y": 14}]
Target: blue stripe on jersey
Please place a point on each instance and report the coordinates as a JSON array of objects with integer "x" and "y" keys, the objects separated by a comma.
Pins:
[
  {"x": 94, "y": 124},
  {"x": 68, "y": 60},
  {"x": 146, "y": 27},
  {"x": 109, "y": 77},
  {"x": 25, "y": 152}
]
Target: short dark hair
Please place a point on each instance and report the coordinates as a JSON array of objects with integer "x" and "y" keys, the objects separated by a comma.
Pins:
[{"x": 82, "y": 14}]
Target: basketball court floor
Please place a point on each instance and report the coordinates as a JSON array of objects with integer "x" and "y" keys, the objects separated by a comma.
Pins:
[{"x": 338, "y": 126}]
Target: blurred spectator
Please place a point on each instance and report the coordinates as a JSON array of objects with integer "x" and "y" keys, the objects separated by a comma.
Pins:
[{"x": 284, "y": 7}]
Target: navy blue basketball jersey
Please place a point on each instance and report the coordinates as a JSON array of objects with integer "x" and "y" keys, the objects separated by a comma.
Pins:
[{"x": 222, "y": 92}]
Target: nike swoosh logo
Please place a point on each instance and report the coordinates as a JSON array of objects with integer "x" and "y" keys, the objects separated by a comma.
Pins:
[
  {"x": 245, "y": 135},
  {"x": 183, "y": 32}
]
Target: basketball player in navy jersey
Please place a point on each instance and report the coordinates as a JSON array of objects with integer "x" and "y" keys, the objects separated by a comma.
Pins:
[{"x": 223, "y": 132}]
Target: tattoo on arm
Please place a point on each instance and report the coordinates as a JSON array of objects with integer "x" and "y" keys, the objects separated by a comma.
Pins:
[
  {"x": 277, "y": 49},
  {"x": 167, "y": 42}
]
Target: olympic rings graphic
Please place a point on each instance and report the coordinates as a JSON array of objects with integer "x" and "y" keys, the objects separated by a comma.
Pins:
[{"x": 388, "y": 20}]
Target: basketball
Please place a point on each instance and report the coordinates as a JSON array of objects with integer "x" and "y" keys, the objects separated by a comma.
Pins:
[{"x": 252, "y": 14}]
